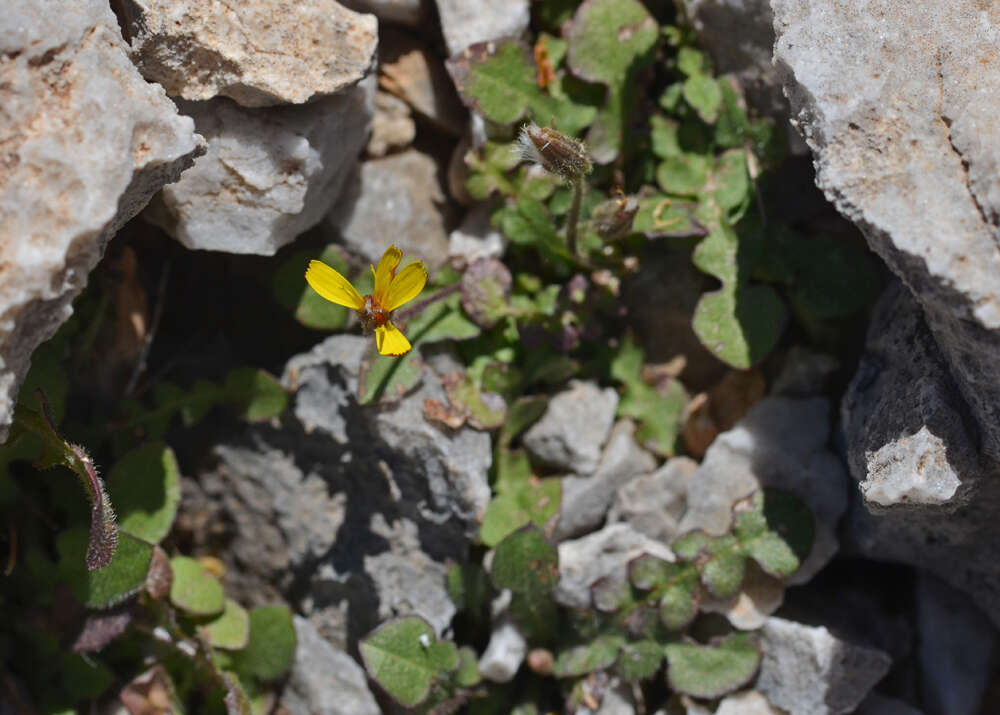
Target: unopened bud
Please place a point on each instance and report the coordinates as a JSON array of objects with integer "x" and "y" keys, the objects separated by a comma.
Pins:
[
  {"x": 555, "y": 152},
  {"x": 613, "y": 219}
]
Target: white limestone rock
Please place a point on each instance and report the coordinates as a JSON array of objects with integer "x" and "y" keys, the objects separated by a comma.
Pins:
[
  {"x": 269, "y": 173},
  {"x": 85, "y": 142},
  {"x": 259, "y": 53},
  {"x": 898, "y": 100}
]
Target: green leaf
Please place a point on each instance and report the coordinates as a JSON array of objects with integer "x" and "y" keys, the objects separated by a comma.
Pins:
[
  {"x": 732, "y": 127},
  {"x": 704, "y": 95},
  {"x": 658, "y": 414},
  {"x": 639, "y": 660},
  {"x": 673, "y": 586},
  {"x": 489, "y": 168},
  {"x": 405, "y": 658},
  {"x": 309, "y": 308},
  {"x": 684, "y": 174},
  {"x": 146, "y": 486},
  {"x": 469, "y": 587},
  {"x": 662, "y": 216},
  {"x": 529, "y": 224},
  {"x": 711, "y": 671},
  {"x": 194, "y": 589},
  {"x": 531, "y": 502},
  {"x": 663, "y": 137},
  {"x": 124, "y": 575},
  {"x": 390, "y": 378},
  {"x": 467, "y": 675},
  {"x": 741, "y": 322},
  {"x": 599, "y": 654},
  {"x": 442, "y": 320},
  {"x": 500, "y": 80},
  {"x": 525, "y": 562},
  {"x": 257, "y": 393},
  {"x": 521, "y": 414},
  {"x": 231, "y": 630},
  {"x": 270, "y": 647},
  {"x": 610, "y": 40},
  {"x": 773, "y": 527},
  {"x": 730, "y": 182},
  {"x": 692, "y": 62}
]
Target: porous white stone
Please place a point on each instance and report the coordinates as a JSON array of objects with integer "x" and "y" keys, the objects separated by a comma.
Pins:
[
  {"x": 269, "y": 174},
  {"x": 504, "y": 653},
  {"x": 653, "y": 504},
  {"x": 259, "y": 53},
  {"x": 85, "y": 141}
]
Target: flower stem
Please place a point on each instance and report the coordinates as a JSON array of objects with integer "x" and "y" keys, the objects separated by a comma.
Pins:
[
  {"x": 573, "y": 217},
  {"x": 430, "y": 300}
]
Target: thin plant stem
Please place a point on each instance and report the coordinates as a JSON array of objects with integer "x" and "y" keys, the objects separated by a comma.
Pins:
[
  {"x": 430, "y": 300},
  {"x": 573, "y": 217}
]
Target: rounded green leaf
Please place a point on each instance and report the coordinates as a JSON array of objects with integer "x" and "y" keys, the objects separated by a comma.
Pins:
[
  {"x": 145, "y": 488},
  {"x": 683, "y": 175},
  {"x": 639, "y": 660},
  {"x": 600, "y": 653},
  {"x": 111, "y": 584},
  {"x": 704, "y": 95},
  {"x": 526, "y": 503},
  {"x": 404, "y": 657},
  {"x": 525, "y": 562},
  {"x": 270, "y": 647},
  {"x": 194, "y": 589},
  {"x": 231, "y": 630},
  {"x": 711, "y": 671}
]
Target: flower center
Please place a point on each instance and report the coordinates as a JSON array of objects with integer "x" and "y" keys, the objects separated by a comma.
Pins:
[{"x": 373, "y": 315}]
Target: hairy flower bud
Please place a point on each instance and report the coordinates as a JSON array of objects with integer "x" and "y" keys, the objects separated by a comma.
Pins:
[{"x": 555, "y": 152}]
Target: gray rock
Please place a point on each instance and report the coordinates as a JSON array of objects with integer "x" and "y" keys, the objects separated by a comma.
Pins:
[
  {"x": 405, "y": 12},
  {"x": 889, "y": 97},
  {"x": 906, "y": 428},
  {"x": 955, "y": 649},
  {"x": 86, "y": 143},
  {"x": 324, "y": 679},
  {"x": 574, "y": 428},
  {"x": 586, "y": 500},
  {"x": 780, "y": 443},
  {"x": 809, "y": 671},
  {"x": 504, "y": 653},
  {"x": 352, "y": 515},
  {"x": 392, "y": 126},
  {"x": 475, "y": 238},
  {"x": 269, "y": 173},
  {"x": 266, "y": 52},
  {"x": 903, "y": 417},
  {"x": 393, "y": 201},
  {"x": 749, "y": 702},
  {"x": 604, "y": 553},
  {"x": 465, "y": 22},
  {"x": 653, "y": 504}
]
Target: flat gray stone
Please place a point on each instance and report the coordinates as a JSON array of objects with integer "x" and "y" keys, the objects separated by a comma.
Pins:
[
  {"x": 809, "y": 671},
  {"x": 586, "y": 499},
  {"x": 393, "y": 201},
  {"x": 653, "y": 504},
  {"x": 504, "y": 653},
  {"x": 86, "y": 143},
  {"x": 574, "y": 428},
  {"x": 269, "y": 173},
  {"x": 324, "y": 679}
]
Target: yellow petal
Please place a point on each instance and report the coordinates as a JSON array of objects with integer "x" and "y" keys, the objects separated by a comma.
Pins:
[
  {"x": 384, "y": 273},
  {"x": 390, "y": 341},
  {"x": 333, "y": 286},
  {"x": 406, "y": 285}
]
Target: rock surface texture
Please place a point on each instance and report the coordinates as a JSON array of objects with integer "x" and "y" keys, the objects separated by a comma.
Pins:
[
  {"x": 809, "y": 671},
  {"x": 260, "y": 53},
  {"x": 393, "y": 201},
  {"x": 465, "y": 22},
  {"x": 912, "y": 445},
  {"x": 85, "y": 142},
  {"x": 269, "y": 174},
  {"x": 898, "y": 101},
  {"x": 352, "y": 516}
]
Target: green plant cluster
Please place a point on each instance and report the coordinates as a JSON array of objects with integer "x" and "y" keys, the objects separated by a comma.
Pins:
[
  {"x": 93, "y": 596},
  {"x": 640, "y": 624}
]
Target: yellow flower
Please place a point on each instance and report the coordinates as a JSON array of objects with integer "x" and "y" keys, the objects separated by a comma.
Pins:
[{"x": 391, "y": 291}]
